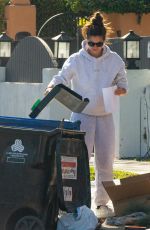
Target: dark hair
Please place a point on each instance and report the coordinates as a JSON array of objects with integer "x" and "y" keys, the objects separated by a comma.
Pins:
[{"x": 95, "y": 26}]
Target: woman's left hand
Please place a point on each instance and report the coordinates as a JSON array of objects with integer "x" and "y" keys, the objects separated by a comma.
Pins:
[{"x": 120, "y": 92}]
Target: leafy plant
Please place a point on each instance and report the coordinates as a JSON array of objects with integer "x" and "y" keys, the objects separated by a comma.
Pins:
[
  {"x": 117, "y": 6},
  {"x": 2, "y": 20}
]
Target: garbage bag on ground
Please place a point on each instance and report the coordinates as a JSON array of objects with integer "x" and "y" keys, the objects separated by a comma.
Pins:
[{"x": 83, "y": 219}]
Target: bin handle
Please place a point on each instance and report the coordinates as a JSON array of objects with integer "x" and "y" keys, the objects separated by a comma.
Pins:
[{"x": 61, "y": 125}]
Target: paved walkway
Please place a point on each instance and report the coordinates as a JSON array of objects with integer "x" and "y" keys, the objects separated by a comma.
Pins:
[{"x": 139, "y": 167}]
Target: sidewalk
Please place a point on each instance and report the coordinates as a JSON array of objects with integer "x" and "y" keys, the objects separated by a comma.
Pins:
[{"x": 139, "y": 167}]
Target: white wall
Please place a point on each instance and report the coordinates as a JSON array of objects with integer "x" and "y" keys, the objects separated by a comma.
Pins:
[
  {"x": 2, "y": 74},
  {"x": 133, "y": 120},
  {"x": 16, "y": 99}
]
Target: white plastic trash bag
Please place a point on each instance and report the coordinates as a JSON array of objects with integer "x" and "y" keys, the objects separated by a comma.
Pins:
[{"x": 84, "y": 219}]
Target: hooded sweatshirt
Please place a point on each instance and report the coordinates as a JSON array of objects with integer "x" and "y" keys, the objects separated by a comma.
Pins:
[{"x": 88, "y": 75}]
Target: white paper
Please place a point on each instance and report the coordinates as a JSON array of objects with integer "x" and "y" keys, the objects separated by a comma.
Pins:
[
  {"x": 111, "y": 101},
  {"x": 112, "y": 105}
]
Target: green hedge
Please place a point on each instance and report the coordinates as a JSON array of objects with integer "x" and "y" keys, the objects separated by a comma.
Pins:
[{"x": 110, "y": 6}]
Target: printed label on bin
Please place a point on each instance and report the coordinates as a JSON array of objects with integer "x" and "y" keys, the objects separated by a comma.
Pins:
[
  {"x": 67, "y": 193},
  {"x": 69, "y": 167},
  {"x": 16, "y": 155}
]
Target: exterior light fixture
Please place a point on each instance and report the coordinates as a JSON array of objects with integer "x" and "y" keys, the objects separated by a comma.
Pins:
[
  {"x": 131, "y": 48},
  {"x": 61, "y": 47},
  {"x": 5, "y": 48}
]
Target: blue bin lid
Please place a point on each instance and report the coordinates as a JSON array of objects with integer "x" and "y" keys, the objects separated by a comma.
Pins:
[{"x": 38, "y": 123}]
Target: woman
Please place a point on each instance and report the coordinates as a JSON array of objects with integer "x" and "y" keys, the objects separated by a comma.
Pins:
[{"x": 95, "y": 67}]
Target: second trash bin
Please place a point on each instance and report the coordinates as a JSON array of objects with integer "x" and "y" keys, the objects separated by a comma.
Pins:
[{"x": 73, "y": 176}]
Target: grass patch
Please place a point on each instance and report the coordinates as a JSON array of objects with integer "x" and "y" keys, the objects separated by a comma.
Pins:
[{"x": 117, "y": 174}]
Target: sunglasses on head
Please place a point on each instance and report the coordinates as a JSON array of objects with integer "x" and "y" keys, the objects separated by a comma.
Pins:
[{"x": 98, "y": 44}]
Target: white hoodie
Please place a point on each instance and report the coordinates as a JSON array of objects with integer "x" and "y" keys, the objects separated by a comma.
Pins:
[{"x": 88, "y": 75}]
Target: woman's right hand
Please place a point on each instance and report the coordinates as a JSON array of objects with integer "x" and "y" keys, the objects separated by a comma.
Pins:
[{"x": 48, "y": 89}]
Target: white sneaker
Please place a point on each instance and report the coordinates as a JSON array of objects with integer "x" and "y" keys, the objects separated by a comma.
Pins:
[{"x": 103, "y": 211}]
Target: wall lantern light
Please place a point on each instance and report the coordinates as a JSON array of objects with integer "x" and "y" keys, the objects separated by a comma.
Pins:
[
  {"x": 61, "y": 47},
  {"x": 131, "y": 48},
  {"x": 5, "y": 48}
]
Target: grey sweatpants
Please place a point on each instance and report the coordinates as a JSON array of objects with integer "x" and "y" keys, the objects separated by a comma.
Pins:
[{"x": 100, "y": 133}]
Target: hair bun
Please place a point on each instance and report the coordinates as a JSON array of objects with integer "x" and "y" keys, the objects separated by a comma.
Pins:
[
  {"x": 96, "y": 26},
  {"x": 99, "y": 17},
  {"x": 97, "y": 20}
]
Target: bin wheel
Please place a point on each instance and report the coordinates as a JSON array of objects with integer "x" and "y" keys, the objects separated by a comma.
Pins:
[{"x": 29, "y": 223}]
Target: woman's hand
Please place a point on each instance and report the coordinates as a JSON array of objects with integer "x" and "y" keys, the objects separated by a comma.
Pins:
[
  {"x": 120, "y": 92},
  {"x": 48, "y": 89}
]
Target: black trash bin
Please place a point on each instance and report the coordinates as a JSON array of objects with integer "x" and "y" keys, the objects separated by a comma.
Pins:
[
  {"x": 28, "y": 186},
  {"x": 73, "y": 175}
]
